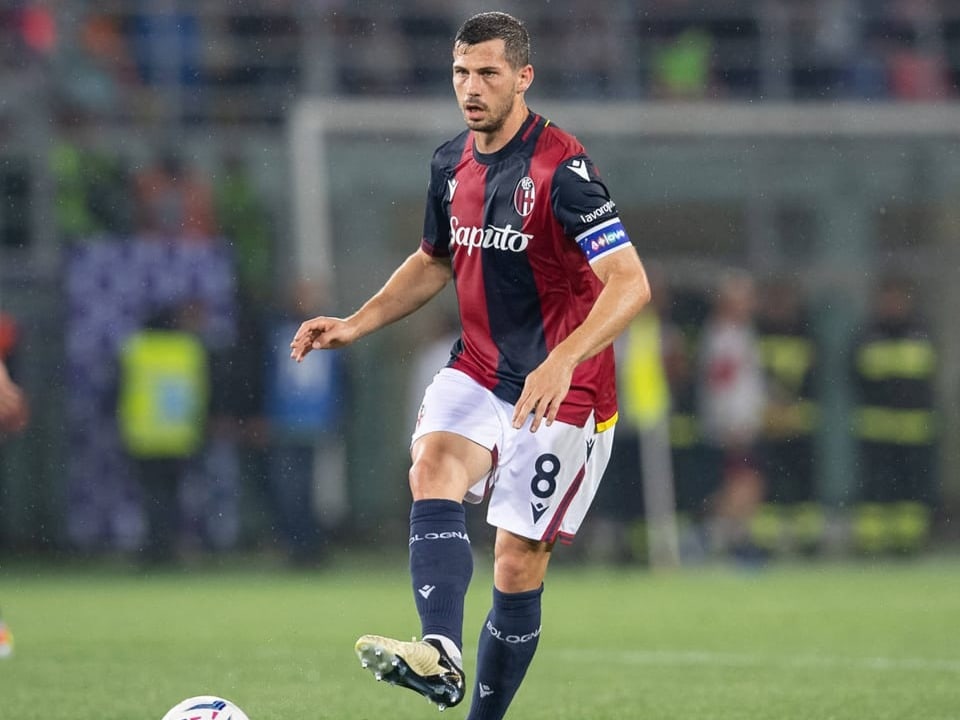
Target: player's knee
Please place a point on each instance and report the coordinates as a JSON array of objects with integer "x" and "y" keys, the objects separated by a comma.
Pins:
[
  {"x": 419, "y": 477},
  {"x": 428, "y": 480},
  {"x": 518, "y": 572}
]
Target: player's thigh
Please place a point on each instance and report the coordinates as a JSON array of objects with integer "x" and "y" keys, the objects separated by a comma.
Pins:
[
  {"x": 445, "y": 465},
  {"x": 546, "y": 480},
  {"x": 458, "y": 428}
]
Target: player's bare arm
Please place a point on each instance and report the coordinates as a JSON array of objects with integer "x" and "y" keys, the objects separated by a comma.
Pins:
[
  {"x": 625, "y": 292},
  {"x": 419, "y": 278}
]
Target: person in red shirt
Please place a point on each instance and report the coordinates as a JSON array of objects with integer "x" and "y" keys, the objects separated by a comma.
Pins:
[{"x": 522, "y": 415}]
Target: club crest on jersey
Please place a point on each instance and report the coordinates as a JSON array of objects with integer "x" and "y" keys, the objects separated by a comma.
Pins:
[{"x": 524, "y": 196}]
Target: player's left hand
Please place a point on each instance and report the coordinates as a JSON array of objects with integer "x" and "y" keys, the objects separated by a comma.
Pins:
[
  {"x": 543, "y": 391},
  {"x": 320, "y": 333}
]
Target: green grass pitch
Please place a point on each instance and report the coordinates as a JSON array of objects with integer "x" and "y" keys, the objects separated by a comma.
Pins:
[{"x": 825, "y": 642}]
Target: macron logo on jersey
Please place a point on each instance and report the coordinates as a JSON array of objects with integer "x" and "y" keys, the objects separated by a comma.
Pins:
[
  {"x": 579, "y": 167},
  {"x": 452, "y": 187},
  {"x": 602, "y": 239}
]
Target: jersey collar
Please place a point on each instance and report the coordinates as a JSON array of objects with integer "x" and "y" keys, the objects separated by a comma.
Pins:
[{"x": 515, "y": 143}]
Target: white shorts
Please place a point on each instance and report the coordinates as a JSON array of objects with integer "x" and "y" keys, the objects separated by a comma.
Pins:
[{"x": 541, "y": 484}]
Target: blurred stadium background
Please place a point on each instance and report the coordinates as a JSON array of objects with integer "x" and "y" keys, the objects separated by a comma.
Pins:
[{"x": 249, "y": 154}]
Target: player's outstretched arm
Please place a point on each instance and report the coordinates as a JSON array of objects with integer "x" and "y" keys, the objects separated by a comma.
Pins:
[
  {"x": 419, "y": 278},
  {"x": 625, "y": 291}
]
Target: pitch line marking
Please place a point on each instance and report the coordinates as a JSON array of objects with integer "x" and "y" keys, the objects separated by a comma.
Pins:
[{"x": 706, "y": 657}]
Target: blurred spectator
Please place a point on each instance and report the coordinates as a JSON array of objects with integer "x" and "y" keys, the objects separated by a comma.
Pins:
[
  {"x": 274, "y": 30},
  {"x": 731, "y": 398},
  {"x": 375, "y": 58},
  {"x": 917, "y": 64},
  {"x": 95, "y": 71},
  {"x": 792, "y": 517},
  {"x": 29, "y": 34},
  {"x": 254, "y": 57},
  {"x": 867, "y": 76},
  {"x": 641, "y": 447},
  {"x": 175, "y": 201},
  {"x": 682, "y": 66},
  {"x": 918, "y": 74},
  {"x": 304, "y": 408},
  {"x": 38, "y": 26},
  {"x": 109, "y": 289},
  {"x": 93, "y": 195},
  {"x": 895, "y": 366},
  {"x": 593, "y": 76},
  {"x": 244, "y": 223},
  {"x": 17, "y": 196},
  {"x": 428, "y": 27},
  {"x": 693, "y": 484},
  {"x": 167, "y": 43},
  {"x": 164, "y": 387},
  {"x": 825, "y": 37},
  {"x": 235, "y": 455}
]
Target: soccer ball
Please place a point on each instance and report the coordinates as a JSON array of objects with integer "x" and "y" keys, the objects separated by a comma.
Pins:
[{"x": 205, "y": 707}]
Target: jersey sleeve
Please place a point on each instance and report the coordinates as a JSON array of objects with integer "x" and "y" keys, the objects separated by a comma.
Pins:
[
  {"x": 584, "y": 209},
  {"x": 436, "y": 223}
]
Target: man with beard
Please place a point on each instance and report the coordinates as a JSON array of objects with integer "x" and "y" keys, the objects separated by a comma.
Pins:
[{"x": 523, "y": 413}]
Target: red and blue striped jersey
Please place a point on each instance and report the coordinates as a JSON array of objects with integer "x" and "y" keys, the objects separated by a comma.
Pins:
[{"x": 521, "y": 227}]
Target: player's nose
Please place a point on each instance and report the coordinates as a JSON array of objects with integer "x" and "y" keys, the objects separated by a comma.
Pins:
[{"x": 472, "y": 85}]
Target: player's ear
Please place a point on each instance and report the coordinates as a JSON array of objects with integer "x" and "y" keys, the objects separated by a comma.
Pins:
[{"x": 525, "y": 79}]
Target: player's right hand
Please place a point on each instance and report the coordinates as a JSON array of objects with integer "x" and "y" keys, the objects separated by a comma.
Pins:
[{"x": 320, "y": 333}]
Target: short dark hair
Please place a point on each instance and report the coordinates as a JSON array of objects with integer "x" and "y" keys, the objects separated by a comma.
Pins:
[{"x": 497, "y": 26}]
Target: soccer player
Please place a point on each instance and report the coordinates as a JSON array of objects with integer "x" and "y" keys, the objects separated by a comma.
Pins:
[{"x": 523, "y": 413}]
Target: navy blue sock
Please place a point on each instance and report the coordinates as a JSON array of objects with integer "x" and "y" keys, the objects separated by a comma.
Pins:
[
  {"x": 508, "y": 641},
  {"x": 441, "y": 565}
]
